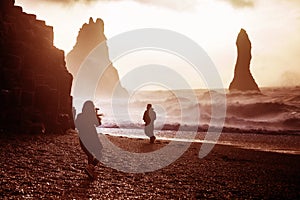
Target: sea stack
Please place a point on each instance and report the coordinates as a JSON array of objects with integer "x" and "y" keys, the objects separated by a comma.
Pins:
[
  {"x": 35, "y": 85},
  {"x": 243, "y": 79},
  {"x": 89, "y": 37}
]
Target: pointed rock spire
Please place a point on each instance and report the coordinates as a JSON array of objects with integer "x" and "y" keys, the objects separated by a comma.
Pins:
[
  {"x": 243, "y": 79},
  {"x": 91, "y": 21},
  {"x": 89, "y": 37}
]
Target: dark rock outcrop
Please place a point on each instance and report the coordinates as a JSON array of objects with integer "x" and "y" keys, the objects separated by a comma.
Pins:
[
  {"x": 243, "y": 79},
  {"x": 89, "y": 37},
  {"x": 35, "y": 85}
]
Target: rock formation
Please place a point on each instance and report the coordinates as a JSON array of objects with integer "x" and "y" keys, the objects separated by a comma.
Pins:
[
  {"x": 243, "y": 80},
  {"x": 35, "y": 85},
  {"x": 89, "y": 37}
]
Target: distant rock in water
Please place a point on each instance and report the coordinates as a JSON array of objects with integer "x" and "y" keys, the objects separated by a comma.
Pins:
[
  {"x": 89, "y": 37},
  {"x": 243, "y": 80},
  {"x": 35, "y": 85}
]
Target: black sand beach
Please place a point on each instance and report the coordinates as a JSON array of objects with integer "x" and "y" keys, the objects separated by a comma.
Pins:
[
  {"x": 52, "y": 167},
  {"x": 42, "y": 81}
]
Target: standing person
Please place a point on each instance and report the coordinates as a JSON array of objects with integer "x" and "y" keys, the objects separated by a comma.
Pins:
[
  {"x": 149, "y": 117},
  {"x": 86, "y": 123}
]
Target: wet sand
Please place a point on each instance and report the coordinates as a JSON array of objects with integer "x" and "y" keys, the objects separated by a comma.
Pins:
[{"x": 52, "y": 166}]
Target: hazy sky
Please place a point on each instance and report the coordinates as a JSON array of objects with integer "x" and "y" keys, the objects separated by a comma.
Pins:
[{"x": 273, "y": 27}]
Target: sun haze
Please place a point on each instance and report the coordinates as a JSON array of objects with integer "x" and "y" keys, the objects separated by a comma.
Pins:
[{"x": 273, "y": 28}]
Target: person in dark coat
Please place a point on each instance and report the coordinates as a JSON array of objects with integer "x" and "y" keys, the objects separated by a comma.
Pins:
[{"x": 86, "y": 123}]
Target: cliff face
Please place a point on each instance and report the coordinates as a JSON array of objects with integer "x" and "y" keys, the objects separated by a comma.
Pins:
[
  {"x": 35, "y": 84},
  {"x": 89, "y": 37},
  {"x": 243, "y": 79}
]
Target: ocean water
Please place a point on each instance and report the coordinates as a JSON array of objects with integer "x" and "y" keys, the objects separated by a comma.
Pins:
[
  {"x": 274, "y": 110},
  {"x": 268, "y": 121}
]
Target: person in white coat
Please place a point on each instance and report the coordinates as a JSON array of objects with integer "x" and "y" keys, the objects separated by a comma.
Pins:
[{"x": 149, "y": 117}]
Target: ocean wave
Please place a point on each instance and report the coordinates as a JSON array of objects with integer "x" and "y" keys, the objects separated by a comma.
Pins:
[
  {"x": 294, "y": 99},
  {"x": 205, "y": 127},
  {"x": 275, "y": 109},
  {"x": 259, "y": 109}
]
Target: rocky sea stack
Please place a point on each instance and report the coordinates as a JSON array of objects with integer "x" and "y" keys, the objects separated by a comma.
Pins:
[
  {"x": 243, "y": 79},
  {"x": 89, "y": 37},
  {"x": 34, "y": 82}
]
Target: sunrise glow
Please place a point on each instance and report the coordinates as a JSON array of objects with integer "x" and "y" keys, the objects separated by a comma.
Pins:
[{"x": 273, "y": 28}]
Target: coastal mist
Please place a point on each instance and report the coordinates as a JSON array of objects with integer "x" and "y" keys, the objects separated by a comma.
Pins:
[
  {"x": 275, "y": 110},
  {"x": 267, "y": 121}
]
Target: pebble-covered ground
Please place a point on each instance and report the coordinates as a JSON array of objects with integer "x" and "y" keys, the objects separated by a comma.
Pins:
[{"x": 52, "y": 167}]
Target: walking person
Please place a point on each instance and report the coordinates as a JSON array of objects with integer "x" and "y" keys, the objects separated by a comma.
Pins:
[
  {"x": 86, "y": 123},
  {"x": 149, "y": 117}
]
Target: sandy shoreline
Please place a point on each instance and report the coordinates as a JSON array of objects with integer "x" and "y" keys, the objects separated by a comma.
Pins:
[{"x": 51, "y": 166}]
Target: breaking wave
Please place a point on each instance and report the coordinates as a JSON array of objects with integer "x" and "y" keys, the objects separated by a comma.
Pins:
[{"x": 276, "y": 110}]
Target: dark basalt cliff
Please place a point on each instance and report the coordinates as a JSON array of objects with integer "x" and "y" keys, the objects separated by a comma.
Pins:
[
  {"x": 89, "y": 37},
  {"x": 35, "y": 85},
  {"x": 243, "y": 79}
]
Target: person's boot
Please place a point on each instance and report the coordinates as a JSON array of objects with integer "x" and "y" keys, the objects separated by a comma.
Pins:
[
  {"x": 95, "y": 161},
  {"x": 89, "y": 170},
  {"x": 152, "y": 139}
]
